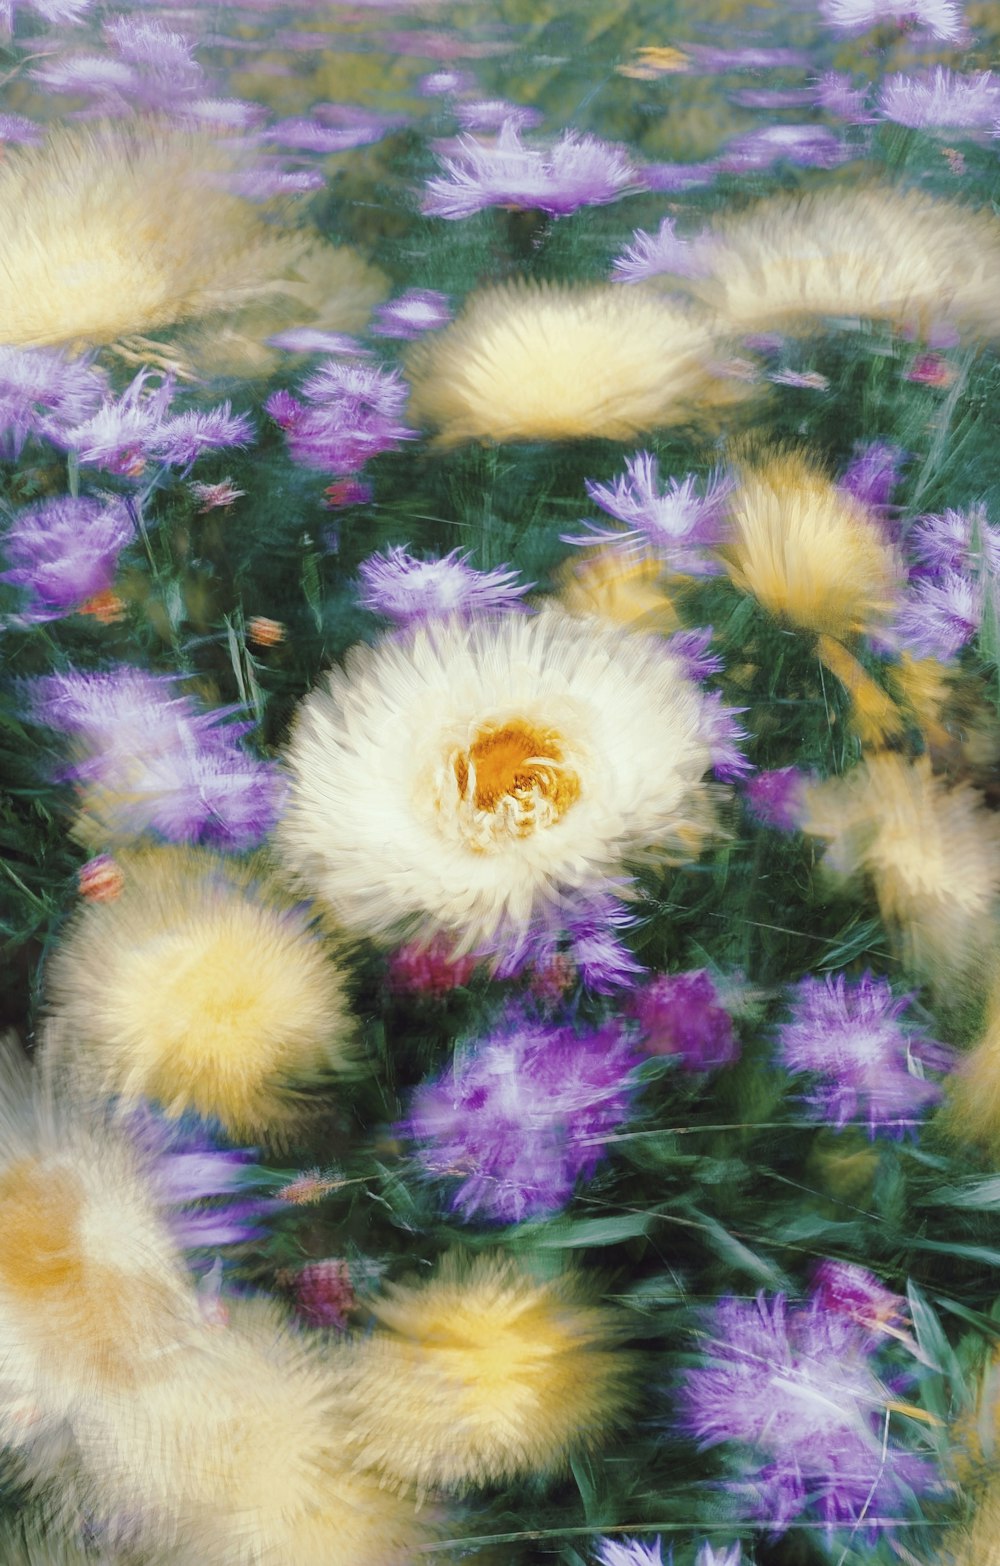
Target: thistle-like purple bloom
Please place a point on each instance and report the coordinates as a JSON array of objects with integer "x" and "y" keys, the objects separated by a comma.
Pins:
[
  {"x": 586, "y": 933},
  {"x": 577, "y": 171},
  {"x": 865, "y": 1063},
  {"x": 956, "y": 541},
  {"x": 873, "y": 473},
  {"x": 676, "y": 522},
  {"x": 942, "y": 18},
  {"x": 19, "y": 129},
  {"x": 652, "y": 255},
  {"x": 305, "y": 135},
  {"x": 201, "y": 1186},
  {"x": 402, "y": 588},
  {"x": 710, "y": 58},
  {"x": 708, "y": 1555},
  {"x": 670, "y": 178},
  {"x": 522, "y": 1115},
  {"x": 629, "y": 1552},
  {"x": 65, "y": 551},
  {"x": 269, "y": 180},
  {"x": 798, "y": 1390},
  {"x": 681, "y": 1015},
  {"x": 418, "y": 310},
  {"x": 128, "y": 431},
  {"x": 776, "y": 798},
  {"x": 150, "y": 761},
  {"x": 835, "y": 92},
  {"x": 352, "y": 412},
  {"x": 939, "y": 615},
  {"x": 809, "y": 146},
  {"x": 856, "y": 1293},
  {"x": 44, "y": 394},
  {"x": 492, "y": 114},
  {"x": 943, "y": 99}
]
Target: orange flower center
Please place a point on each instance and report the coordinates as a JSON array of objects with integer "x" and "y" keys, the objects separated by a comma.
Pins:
[{"x": 514, "y": 775}]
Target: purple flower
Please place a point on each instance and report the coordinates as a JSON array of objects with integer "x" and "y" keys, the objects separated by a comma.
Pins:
[
  {"x": 492, "y": 114},
  {"x": 440, "y": 84},
  {"x": 691, "y": 648},
  {"x": 836, "y": 93},
  {"x": 267, "y": 181},
  {"x": 113, "y": 80},
  {"x": 942, "y": 18},
  {"x": 810, "y": 146},
  {"x": 939, "y": 616},
  {"x": 576, "y": 171},
  {"x": 405, "y": 589},
  {"x": 777, "y": 798},
  {"x": 522, "y": 1115},
  {"x": 629, "y": 1552},
  {"x": 669, "y": 178},
  {"x": 856, "y": 1293},
  {"x": 712, "y": 59},
  {"x": 65, "y": 551},
  {"x": 352, "y": 413},
  {"x": 53, "y": 11},
  {"x": 42, "y": 393},
  {"x": 676, "y": 522},
  {"x": 942, "y": 98},
  {"x": 307, "y": 339},
  {"x": 17, "y": 128},
  {"x": 724, "y": 735},
  {"x": 798, "y": 1390},
  {"x": 774, "y": 97},
  {"x": 709, "y": 1556},
  {"x": 865, "y": 1063},
  {"x": 418, "y": 310},
  {"x": 127, "y": 431},
  {"x": 149, "y": 761},
  {"x": 873, "y": 473},
  {"x": 306, "y": 135},
  {"x": 153, "y": 46},
  {"x": 680, "y": 1014},
  {"x": 956, "y": 541},
  {"x": 194, "y": 1180},
  {"x": 185, "y": 437},
  {"x": 650, "y": 255},
  {"x": 584, "y": 936},
  {"x": 228, "y": 113}
]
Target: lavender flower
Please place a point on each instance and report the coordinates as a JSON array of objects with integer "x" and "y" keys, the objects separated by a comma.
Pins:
[
  {"x": 629, "y": 1552},
  {"x": 576, "y": 171},
  {"x": 691, "y": 648},
  {"x": 442, "y": 84},
  {"x": 127, "y": 431},
  {"x": 404, "y": 589},
  {"x": 669, "y": 178},
  {"x": 865, "y": 1063},
  {"x": 18, "y": 128},
  {"x": 523, "y": 1115},
  {"x": 836, "y": 93},
  {"x": 956, "y": 541},
  {"x": 194, "y": 1180},
  {"x": 939, "y": 616},
  {"x": 777, "y": 798},
  {"x": 268, "y": 181},
  {"x": 352, "y": 413},
  {"x": 148, "y": 761},
  {"x": 681, "y": 1015},
  {"x": 418, "y": 310},
  {"x": 584, "y": 935},
  {"x": 873, "y": 473},
  {"x": 65, "y": 551},
  {"x": 942, "y": 99},
  {"x": 55, "y": 12},
  {"x": 710, "y": 58},
  {"x": 810, "y": 146},
  {"x": 492, "y": 114},
  {"x": 111, "y": 80},
  {"x": 725, "y": 735},
  {"x": 676, "y": 522},
  {"x": 42, "y": 394},
  {"x": 709, "y": 1556},
  {"x": 856, "y": 1293},
  {"x": 308, "y": 339},
  {"x": 942, "y": 18},
  {"x": 305, "y": 135},
  {"x": 798, "y": 1390},
  {"x": 650, "y": 255}
]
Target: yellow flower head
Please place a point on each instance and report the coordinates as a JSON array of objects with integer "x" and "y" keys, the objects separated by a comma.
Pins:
[
  {"x": 625, "y": 589},
  {"x": 482, "y": 1374},
  {"x": 793, "y": 261},
  {"x": 199, "y": 987},
  {"x": 547, "y": 361},
  {"x": 237, "y": 1447},
  {"x": 932, "y": 854},
  {"x": 113, "y": 230},
  {"x": 808, "y": 552}
]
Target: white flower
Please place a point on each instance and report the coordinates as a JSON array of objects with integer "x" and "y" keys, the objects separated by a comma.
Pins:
[{"x": 458, "y": 777}]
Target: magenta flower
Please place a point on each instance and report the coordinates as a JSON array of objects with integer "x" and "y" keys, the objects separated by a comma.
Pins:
[
  {"x": 522, "y": 1115},
  {"x": 676, "y": 522},
  {"x": 44, "y": 394},
  {"x": 324, "y": 1293},
  {"x": 352, "y": 412},
  {"x": 418, "y": 310},
  {"x": 405, "y": 589},
  {"x": 584, "y": 936},
  {"x": 651, "y": 255},
  {"x": 681, "y": 1015},
  {"x": 777, "y": 798},
  {"x": 856, "y": 1293},
  {"x": 942, "y": 18},
  {"x": 65, "y": 551},
  {"x": 873, "y": 473},
  {"x": 797, "y": 1390},
  {"x": 942, "y": 99},
  {"x": 152, "y": 762},
  {"x": 865, "y": 1064},
  {"x": 576, "y": 171}
]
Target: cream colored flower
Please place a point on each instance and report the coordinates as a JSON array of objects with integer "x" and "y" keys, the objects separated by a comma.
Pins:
[
  {"x": 112, "y": 231},
  {"x": 548, "y": 361},
  {"x": 459, "y": 777},
  {"x": 793, "y": 261},
  {"x": 199, "y": 987}
]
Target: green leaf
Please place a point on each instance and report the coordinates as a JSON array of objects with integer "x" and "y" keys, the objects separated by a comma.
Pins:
[{"x": 571, "y": 1234}]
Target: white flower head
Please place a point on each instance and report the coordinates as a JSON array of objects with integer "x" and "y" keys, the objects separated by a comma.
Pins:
[{"x": 461, "y": 776}]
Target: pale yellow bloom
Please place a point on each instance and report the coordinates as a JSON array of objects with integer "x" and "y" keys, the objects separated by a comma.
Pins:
[
  {"x": 200, "y": 987},
  {"x": 550, "y": 361}
]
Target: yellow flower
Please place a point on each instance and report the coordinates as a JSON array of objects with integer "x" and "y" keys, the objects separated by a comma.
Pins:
[
  {"x": 875, "y": 717},
  {"x": 808, "y": 552},
  {"x": 623, "y": 589},
  {"x": 548, "y": 361},
  {"x": 792, "y": 261},
  {"x": 482, "y": 1374},
  {"x": 199, "y": 987},
  {"x": 932, "y": 854},
  {"x": 114, "y": 231}
]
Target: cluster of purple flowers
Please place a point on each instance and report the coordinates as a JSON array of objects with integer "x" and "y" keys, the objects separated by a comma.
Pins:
[
  {"x": 578, "y": 941},
  {"x": 65, "y": 551},
  {"x": 44, "y": 394},
  {"x": 682, "y": 1015},
  {"x": 576, "y": 171},
  {"x": 520, "y": 1116},
  {"x": 404, "y": 589},
  {"x": 351, "y": 412},
  {"x": 675, "y": 522},
  {"x": 151, "y": 761},
  {"x": 953, "y": 581},
  {"x": 125, "y": 433},
  {"x": 865, "y": 1063},
  {"x": 798, "y": 1388}
]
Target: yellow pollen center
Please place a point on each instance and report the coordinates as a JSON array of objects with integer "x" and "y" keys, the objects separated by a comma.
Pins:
[
  {"x": 39, "y": 1214},
  {"x": 516, "y": 772}
]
